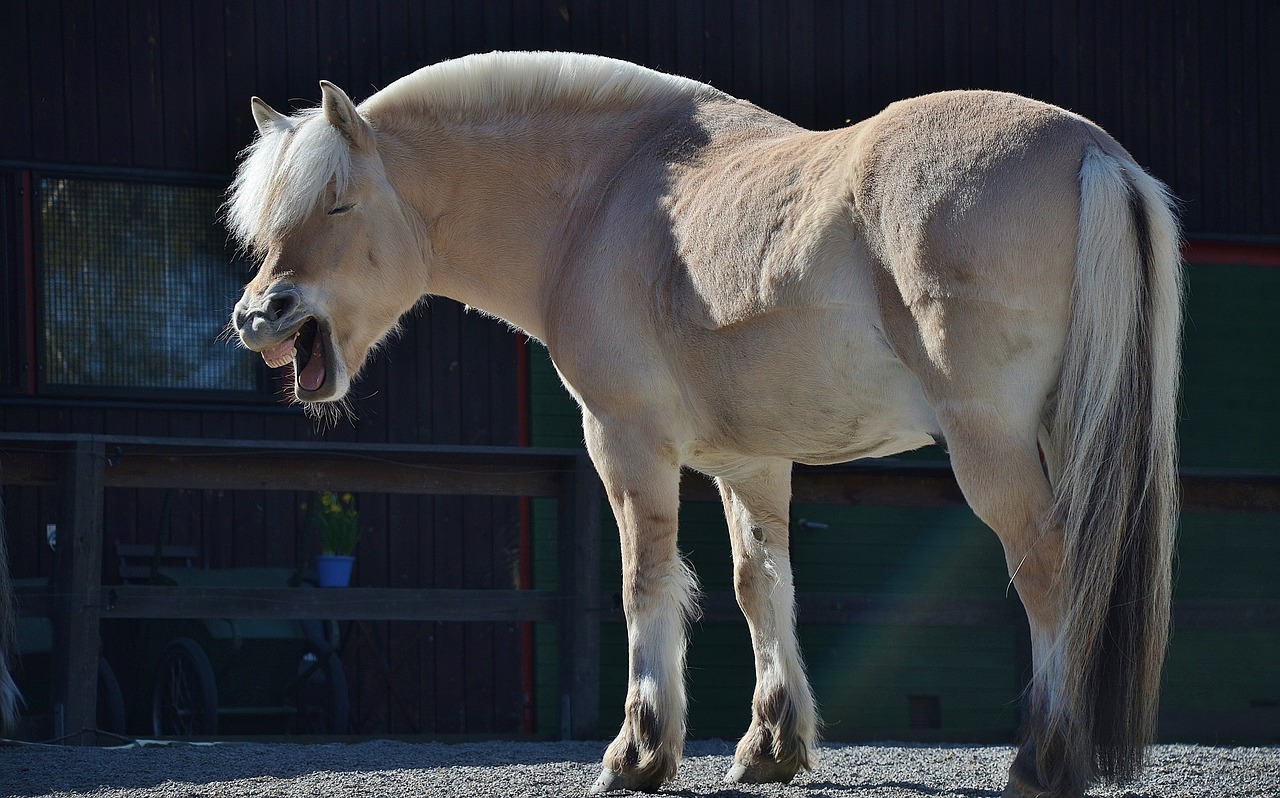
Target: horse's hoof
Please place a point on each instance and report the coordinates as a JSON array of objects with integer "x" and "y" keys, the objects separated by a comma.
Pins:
[
  {"x": 764, "y": 772},
  {"x": 1019, "y": 786},
  {"x": 609, "y": 781},
  {"x": 1017, "y": 790}
]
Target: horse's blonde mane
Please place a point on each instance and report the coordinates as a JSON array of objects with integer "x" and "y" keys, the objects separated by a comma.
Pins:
[
  {"x": 284, "y": 173},
  {"x": 506, "y": 83}
]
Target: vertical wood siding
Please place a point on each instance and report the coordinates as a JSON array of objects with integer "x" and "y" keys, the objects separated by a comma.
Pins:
[{"x": 164, "y": 84}]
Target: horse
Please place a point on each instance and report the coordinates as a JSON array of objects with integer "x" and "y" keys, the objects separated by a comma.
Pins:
[{"x": 722, "y": 290}]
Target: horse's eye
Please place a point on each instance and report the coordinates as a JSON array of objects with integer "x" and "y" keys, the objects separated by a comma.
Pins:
[{"x": 341, "y": 209}]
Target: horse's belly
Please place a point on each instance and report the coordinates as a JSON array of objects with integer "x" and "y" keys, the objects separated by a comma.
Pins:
[
  {"x": 815, "y": 393},
  {"x": 840, "y": 426}
]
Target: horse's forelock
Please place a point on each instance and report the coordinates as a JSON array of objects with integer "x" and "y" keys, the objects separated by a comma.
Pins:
[{"x": 282, "y": 177}]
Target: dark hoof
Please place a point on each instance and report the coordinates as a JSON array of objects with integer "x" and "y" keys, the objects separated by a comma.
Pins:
[
  {"x": 609, "y": 781},
  {"x": 1012, "y": 790},
  {"x": 1022, "y": 777},
  {"x": 1024, "y": 781},
  {"x": 763, "y": 772}
]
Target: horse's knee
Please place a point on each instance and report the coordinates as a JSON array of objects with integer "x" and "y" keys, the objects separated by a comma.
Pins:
[{"x": 758, "y": 571}]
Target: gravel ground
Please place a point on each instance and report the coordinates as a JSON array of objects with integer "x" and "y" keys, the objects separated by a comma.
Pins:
[{"x": 428, "y": 770}]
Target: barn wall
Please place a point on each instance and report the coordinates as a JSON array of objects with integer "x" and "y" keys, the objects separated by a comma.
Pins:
[
  {"x": 165, "y": 84},
  {"x": 162, "y": 86},
  {"x": 157, "y": 91}
]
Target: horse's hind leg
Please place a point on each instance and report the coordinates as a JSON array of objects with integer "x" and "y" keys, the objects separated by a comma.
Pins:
[
  {"x": 783, "y": 732},
  {"x": 642, "y": 481},
  {"x": 998, "y": 469}
]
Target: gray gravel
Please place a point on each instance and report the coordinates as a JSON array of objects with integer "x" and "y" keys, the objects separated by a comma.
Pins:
[{"x": 396, "y": 769}]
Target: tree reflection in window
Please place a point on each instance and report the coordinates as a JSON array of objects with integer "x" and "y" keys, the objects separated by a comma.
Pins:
[{"x": 136, "y": 285}]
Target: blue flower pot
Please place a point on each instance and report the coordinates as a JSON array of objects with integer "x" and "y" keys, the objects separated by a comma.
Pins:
[{"x": 334, "y": 570}]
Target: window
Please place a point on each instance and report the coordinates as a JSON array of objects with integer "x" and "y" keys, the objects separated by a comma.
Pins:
[{"x": 134, "y": 286}]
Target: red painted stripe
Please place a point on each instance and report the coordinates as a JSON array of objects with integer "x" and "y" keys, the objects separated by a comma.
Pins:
[{"x": 1231, "y": 253}]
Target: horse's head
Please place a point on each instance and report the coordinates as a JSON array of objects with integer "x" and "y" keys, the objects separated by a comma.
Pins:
[{"x": 341, "y": 256}]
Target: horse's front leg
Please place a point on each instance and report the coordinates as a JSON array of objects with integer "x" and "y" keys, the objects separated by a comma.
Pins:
[
  {"x": 783, "y": 734},
  {"x": 642, "y": 480}
]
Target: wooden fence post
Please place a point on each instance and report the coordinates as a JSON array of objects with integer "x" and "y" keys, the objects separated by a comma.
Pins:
[
  {"x": 579, "y": 623},
  {"x": 77, "y": 584}
]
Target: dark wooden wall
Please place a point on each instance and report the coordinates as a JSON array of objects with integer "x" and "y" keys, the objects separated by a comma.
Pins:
[
  {"x": 164, "y": 85},
  {"x": 1186, "y": 85},
  {"x": 149, "y": 86}
]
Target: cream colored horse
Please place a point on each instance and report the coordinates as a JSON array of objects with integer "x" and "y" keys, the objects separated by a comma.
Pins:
[{"x": 723, "y": 290}]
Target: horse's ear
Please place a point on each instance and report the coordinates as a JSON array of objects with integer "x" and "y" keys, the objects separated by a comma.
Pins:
[
  {"x": 267, "y": 118},
  {"x": 342, "y": 114}
]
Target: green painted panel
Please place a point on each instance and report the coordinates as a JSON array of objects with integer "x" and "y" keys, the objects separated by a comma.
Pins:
[
  {"x": 864, "y": 675},
  {"x": 1228, "y": 557},
  {"x": 1231, "y": 369},
  {"x": 1211, "y": 668}
]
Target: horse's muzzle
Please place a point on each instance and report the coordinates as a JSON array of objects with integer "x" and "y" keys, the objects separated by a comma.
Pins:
[{"x": 264, "y": 319}]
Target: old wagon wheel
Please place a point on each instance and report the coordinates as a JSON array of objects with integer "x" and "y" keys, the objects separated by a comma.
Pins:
[
  {"x": 111, "y": 716},
  {"x": 320, "y": 691},
  {"x": 184, "y": 701}
]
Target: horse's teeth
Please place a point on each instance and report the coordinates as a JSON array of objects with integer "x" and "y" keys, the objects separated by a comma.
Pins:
[{"x": 281, "y": 354}]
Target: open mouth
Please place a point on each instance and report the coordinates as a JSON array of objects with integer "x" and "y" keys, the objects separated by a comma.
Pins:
[{"x": 305, "y": 350}]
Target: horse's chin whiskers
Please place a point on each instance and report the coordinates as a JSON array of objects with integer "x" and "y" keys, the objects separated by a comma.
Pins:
[{"x": 326, "y": 415}]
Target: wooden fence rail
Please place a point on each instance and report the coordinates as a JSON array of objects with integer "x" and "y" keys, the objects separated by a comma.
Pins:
[{"x": 82, "y": 466}]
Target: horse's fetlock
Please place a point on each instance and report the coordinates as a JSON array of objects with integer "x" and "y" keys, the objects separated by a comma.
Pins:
[
  {"x": 646, "y": 723},
  {"x": 779, "y": 733},
  {"x": 640, "y": 767}
]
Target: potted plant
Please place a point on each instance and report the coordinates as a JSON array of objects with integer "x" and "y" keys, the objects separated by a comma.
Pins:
[{"x": 338, "y": 522}]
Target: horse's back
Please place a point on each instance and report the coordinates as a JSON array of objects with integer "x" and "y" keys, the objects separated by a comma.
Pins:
[
  {"x": 956, "y": 193},
  {"x": 821, "y": 292}
]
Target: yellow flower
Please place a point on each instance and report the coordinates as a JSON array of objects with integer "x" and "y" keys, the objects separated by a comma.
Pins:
[{"x": 337, "y": 521}]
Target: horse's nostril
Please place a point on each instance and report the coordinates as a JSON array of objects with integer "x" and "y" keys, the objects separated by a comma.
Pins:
[{"x": 280, "y": 305}]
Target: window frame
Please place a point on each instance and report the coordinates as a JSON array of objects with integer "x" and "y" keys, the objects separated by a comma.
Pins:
[
  {"x": 16, "y": 355},
  {"x": 22, "y": 360}
]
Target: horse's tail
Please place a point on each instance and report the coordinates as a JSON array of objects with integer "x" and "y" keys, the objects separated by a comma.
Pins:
[
  {"x": 10, "y": 698},
  {"x": 1114, "y": 468}
]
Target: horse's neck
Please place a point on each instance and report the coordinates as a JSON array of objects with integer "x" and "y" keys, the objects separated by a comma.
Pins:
[{"x": 497, "y": 210}]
